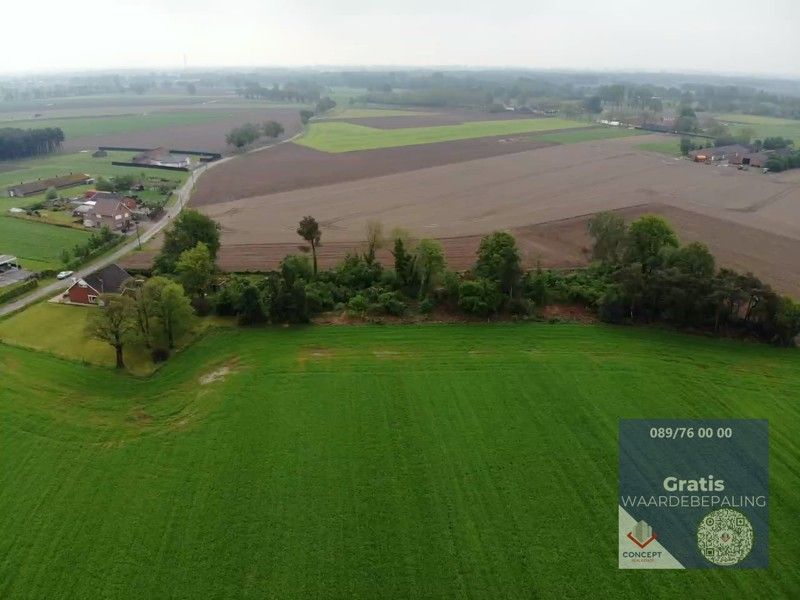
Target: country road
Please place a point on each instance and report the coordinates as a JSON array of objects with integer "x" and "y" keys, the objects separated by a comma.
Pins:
[{"x": 184, "y": 193}]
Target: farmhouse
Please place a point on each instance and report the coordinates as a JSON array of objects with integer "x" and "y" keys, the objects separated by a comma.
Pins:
[
  {"x": 108, "y": 280},
  {"x": 41, "y": 185},
  {"x": 731, "y": 153},
  {"x": 161, "y": 157},
  {"x": 109, "y": 209}
]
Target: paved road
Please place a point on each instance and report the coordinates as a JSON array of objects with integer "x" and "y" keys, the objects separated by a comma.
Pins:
[{"x": 184, "y": 193}]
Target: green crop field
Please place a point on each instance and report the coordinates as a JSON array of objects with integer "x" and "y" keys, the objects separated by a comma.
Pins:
[
  {"x": 764, "y": 126},
  {"x": 338, "y": 137},
  {"x": 588, "y": 135},
  {"x": 440, "y": 461},
  {"x": 79, "y": 127},
  {"x": 37, "y": 245},
  {"x": 671, "y": 145}
]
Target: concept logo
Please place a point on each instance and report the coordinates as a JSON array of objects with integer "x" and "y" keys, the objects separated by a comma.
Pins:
[
  {"x": 725, "y": 537},
  {"x": 642, "y": 534}
]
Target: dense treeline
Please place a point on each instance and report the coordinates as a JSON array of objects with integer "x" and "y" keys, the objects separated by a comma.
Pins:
[
  {"x": 292, "y": 91},
  {"x": 640, "y": 274},
  {"x": 23, "y": 143},
  {"x": 645, "y": 275}
]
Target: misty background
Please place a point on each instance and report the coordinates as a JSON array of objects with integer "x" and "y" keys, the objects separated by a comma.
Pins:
[{"x": 733, "y": 37}]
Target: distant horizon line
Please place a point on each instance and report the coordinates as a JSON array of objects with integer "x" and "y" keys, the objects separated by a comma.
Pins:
[{"x": 394, "y": 67}]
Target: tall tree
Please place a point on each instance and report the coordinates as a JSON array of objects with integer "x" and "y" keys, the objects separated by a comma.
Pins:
[
  {"x": 309, "y": 230},
  {"x": 647, "y": 238},
  {"x": 608, "y": 231},
  {"x": 174, "y": 312},
  {"x": 429, "y": 264},
  {"x": 402, "y": 262},
  {"x": 188, "y": 228},
  {"x": 113, "y": 322},
  {"x": 499, "y": 261},
  {"x": 195, "y": 269},
  {"x": 374, "y": 240}
]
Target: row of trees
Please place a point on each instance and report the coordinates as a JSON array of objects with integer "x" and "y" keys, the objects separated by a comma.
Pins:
[
  {"x": 249, "y": 133},
  {"x": 640, "y": 274},
  {"x": 22, "y": 143},
  {"x": 293, "y": 91}
]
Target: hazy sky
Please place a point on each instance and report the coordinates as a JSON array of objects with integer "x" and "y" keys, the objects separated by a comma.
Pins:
[{"x": 731, "y": 36}]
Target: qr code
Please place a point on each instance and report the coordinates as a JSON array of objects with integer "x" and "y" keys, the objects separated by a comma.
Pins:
[{"x": 725, "y": 537}]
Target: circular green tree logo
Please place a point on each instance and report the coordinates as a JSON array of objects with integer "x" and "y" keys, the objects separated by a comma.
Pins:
[{"x": 725, "y": 537}]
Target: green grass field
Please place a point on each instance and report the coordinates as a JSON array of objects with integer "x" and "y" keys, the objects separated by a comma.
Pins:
[
  {"x": 587, "y": 135},
  {"x": 80, "y": 127},
  {"x": 364, "y": 113},
  {"x": 37, "y": 245},
  {"x": 59, "y": 329},
  {"x": 362, "y": 462},
  {"x": 338, "y": 137},
  {"x": 764, "y": 126}
]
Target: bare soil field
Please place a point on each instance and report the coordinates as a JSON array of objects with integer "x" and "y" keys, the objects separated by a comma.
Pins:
[
  {"x": 546, "y": 184},
  {"x": 209, "y": 136},
  {"x": 292, "y": 167}
]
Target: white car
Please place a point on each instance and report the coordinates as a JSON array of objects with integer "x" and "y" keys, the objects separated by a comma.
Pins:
[{"x": 64, "y": 274}]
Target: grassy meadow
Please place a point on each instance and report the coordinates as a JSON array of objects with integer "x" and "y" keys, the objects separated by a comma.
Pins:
[
  {"x": 38, "y": 246},
  {"x": 671, "y": 145},
  {"x": 438, "y": 461},
  {"x": 763, "y": 126},
  {"x": 334, "y": 137}
]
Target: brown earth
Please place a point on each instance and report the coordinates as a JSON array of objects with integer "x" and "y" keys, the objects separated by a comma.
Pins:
[
  {"x": 292, "y": 167},
  {"x": 500, "y": 192},
  {"x": 201, "y": 136}
]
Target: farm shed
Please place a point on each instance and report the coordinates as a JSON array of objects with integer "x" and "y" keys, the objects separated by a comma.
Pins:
[
  {"x": 161, "y": 157},
  {"x": 41, "y": 185},
  {"x": 108, "y": 280}
]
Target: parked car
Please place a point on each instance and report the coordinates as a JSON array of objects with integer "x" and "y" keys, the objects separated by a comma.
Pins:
[{"x": 64, "y": 274}]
